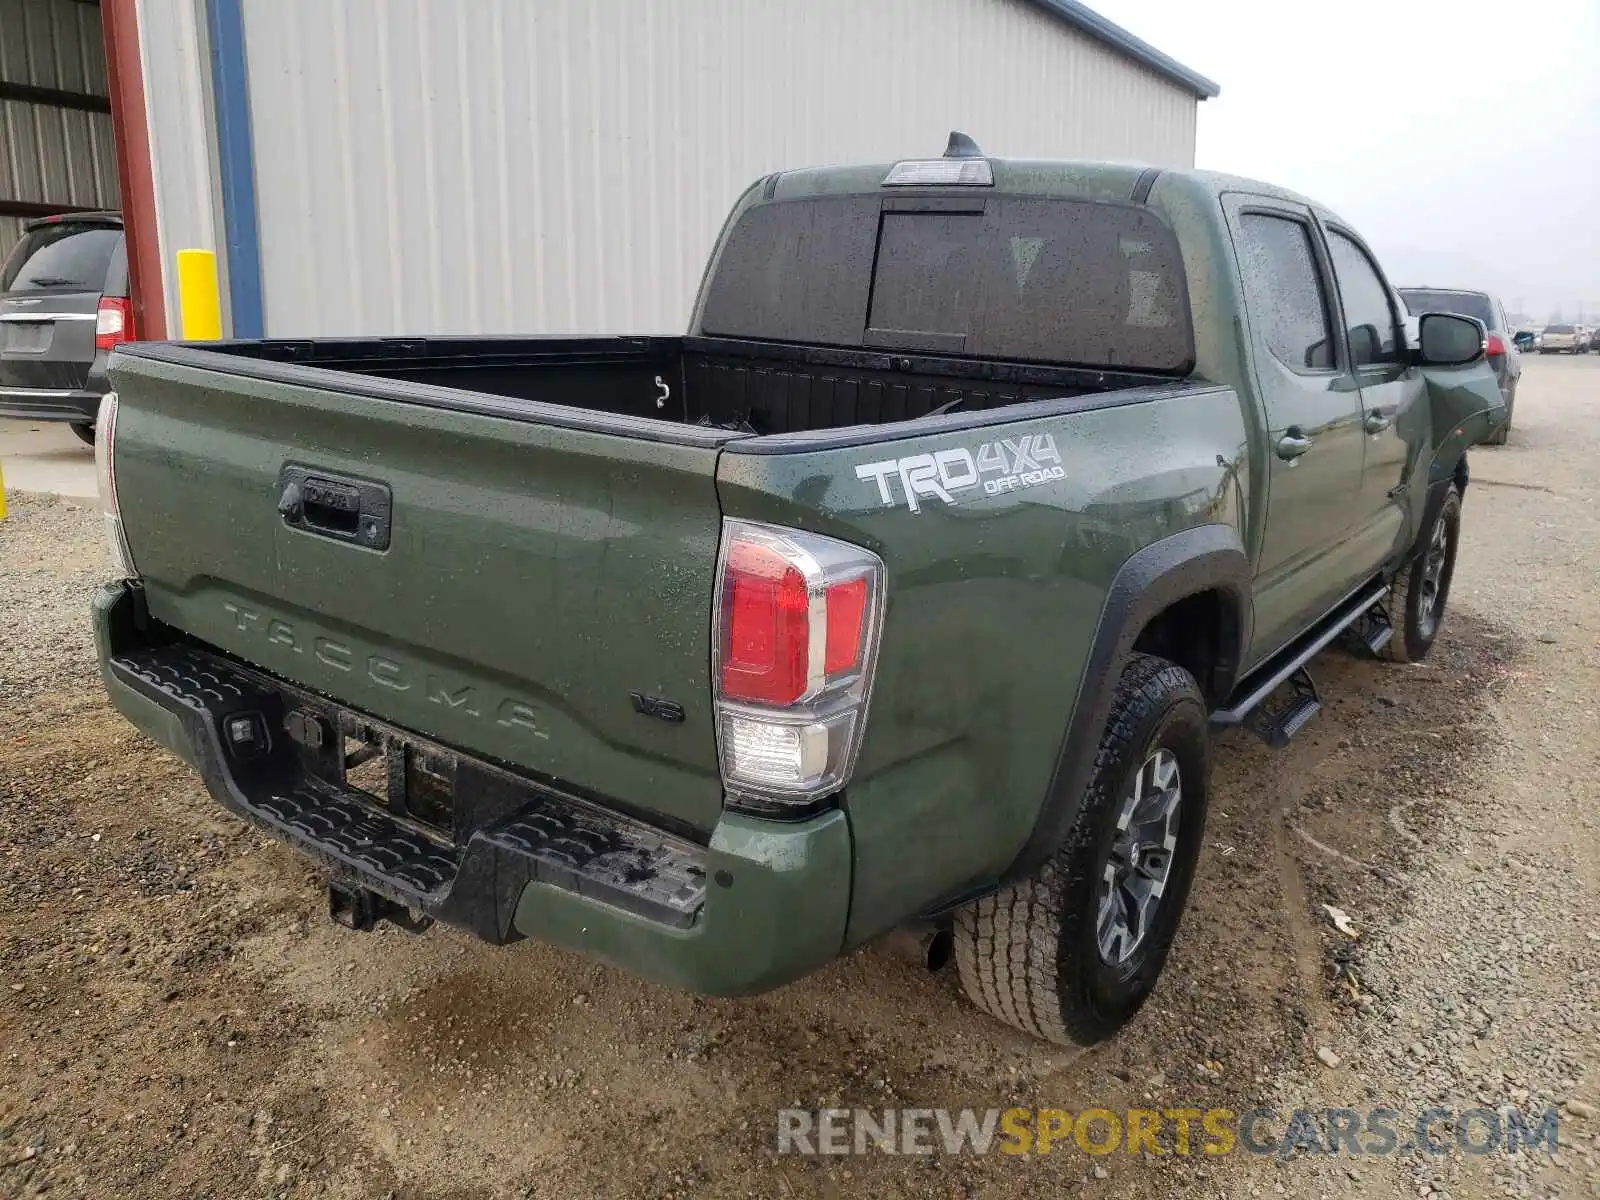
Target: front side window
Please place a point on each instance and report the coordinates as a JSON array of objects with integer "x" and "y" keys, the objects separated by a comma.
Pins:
[
  {"x": 1369, "y": 319},
  {"x": 1284, "y": 291}
]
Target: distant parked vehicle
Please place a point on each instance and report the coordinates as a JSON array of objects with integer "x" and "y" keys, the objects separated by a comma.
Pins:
[
  {"x": 1526, "y": 340},
  {"x": 63, "y": 305},
  {"x": 1562, "y": 339},
  {"x": 1586, "y": 338},
  {"x": 1504, "y": 354}
]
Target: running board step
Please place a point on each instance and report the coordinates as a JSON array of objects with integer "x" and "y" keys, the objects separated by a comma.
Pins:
[
  {"x": 1289, "y": 665},
  {"x": 1277, "y": 725},
  {"x": 1370, "y": 632}
]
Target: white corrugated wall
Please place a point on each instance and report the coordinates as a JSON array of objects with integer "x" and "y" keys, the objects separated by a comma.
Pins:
[
  {"x": 563, "y": 166},
  {"x": 177, "y": 89},
  {"x": 51, "y": 155}
]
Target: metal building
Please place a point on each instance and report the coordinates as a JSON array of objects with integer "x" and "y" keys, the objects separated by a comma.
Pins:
[
  {"x": 437, "y": 166},
  {"x": 56, "y": 148}
]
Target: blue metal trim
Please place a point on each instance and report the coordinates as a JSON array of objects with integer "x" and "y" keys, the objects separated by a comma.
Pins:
[
  {"x": 236, "y": 165},
  {"x": 1086, "y": 20}
]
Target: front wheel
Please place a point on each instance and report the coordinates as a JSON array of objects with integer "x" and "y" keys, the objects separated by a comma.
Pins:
[
  {"x": 1072, "y": 953},
  {"x": 1422, "y": 588}
]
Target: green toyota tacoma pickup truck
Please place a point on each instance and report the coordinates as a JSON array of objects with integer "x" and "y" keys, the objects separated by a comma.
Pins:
[{"x": 910, "y": 586}]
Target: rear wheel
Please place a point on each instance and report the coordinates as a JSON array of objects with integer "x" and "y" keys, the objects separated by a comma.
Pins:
[
  {"x": 1422, "y": 588},
  {"x": 85, "y": 431},
  {"x": 1072, "y": 953}
]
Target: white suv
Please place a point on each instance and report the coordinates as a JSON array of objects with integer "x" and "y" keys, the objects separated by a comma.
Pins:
[{"x": 1563, "y": 339}]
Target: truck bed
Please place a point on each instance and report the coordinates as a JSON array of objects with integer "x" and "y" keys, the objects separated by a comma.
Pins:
[{"x": 743, "y": 386}]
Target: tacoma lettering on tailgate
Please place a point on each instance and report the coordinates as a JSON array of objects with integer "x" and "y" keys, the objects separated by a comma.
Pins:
[{"x": 449, "y": 694}]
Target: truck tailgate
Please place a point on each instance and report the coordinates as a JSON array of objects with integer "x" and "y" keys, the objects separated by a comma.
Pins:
[{"x": 540, "y": 584}]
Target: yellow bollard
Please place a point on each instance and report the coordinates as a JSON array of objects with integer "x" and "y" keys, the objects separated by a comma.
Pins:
[
  {"x": 2, "y": 492},
  {"x": 199, "y": 297}
]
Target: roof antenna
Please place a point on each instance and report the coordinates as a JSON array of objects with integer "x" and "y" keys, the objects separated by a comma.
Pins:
[{"x": 961, "y": 146}]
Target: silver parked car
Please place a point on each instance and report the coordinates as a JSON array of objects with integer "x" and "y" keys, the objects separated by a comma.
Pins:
[{"x": 1564, "y": 339}]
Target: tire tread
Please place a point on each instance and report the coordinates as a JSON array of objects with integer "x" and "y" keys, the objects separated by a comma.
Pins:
[{"x": 1008, "y": 946}]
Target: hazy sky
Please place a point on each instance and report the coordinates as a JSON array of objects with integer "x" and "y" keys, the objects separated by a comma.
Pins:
[{"x": 1461, "y": 137}]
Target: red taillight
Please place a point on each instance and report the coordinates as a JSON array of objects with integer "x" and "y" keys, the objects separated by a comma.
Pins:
[
  {"x": 1494, "y": 344},
  {"x": 796, "y": 631},
  {"x": 847, "y": 614},
  {"x": 113, "y": 323},
  {"x": 768, "y": 638},
  {"x": 768, "y": 643}
]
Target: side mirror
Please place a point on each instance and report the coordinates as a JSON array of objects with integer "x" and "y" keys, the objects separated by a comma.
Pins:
[{"x": 1447, "y": 340}]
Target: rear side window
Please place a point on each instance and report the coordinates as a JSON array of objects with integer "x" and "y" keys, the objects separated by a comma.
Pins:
[
  {"x": 1462, "y": 304},
  {"x": 1065, "y": 281},
  {"x": 1284, "y": 291},
  {"x": 60, "y": 257}
]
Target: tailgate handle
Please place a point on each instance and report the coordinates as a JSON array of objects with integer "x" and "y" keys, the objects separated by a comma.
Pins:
[{"x": 340, "y": 507}]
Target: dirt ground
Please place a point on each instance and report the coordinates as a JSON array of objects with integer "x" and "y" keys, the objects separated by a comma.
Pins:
[{"x": 178, "y": 1018}]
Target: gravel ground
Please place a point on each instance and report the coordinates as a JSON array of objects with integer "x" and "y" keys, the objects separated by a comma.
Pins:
[
  {"x": 178, "y": 1018},
  {"x": 52, "y": 558}
]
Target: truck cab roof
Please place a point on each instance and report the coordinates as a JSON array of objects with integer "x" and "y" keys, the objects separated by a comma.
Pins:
[{"x": 1063, "y": 178}]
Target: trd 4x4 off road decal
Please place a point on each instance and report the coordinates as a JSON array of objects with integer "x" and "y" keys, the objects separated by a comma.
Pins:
[{"x": 1006, "y": 465}]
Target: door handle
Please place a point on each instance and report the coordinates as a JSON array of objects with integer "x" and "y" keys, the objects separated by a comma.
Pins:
[
  {"x": 1292, "y": 445},
  {"x": 1377, "y": 422}
]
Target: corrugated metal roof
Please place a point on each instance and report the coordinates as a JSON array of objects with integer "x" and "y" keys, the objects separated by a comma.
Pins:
[{"x": 1088, "y": 21}]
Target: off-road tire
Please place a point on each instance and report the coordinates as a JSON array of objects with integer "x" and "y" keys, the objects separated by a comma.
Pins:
[
  {"x": 1413, "y": 635},
  {"x": 85, "y": 431},
  {"x": 1029, "y": 955}
]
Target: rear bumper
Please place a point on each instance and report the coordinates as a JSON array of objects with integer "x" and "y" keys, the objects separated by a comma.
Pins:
[
  {"x": 43, "y": 404},
  {"x": 759, "y": 905},
  {"x": 78, "y": 405}
]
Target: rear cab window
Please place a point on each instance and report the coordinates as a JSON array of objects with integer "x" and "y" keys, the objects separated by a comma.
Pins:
[
  {"x": 1005, "y": 277},
  {"x": 64, "y": 256}
]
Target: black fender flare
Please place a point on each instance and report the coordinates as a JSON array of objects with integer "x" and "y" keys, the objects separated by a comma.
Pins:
[
  {"x": 1194, "y": 560},
  {"x": 1437, "y": 488}
]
